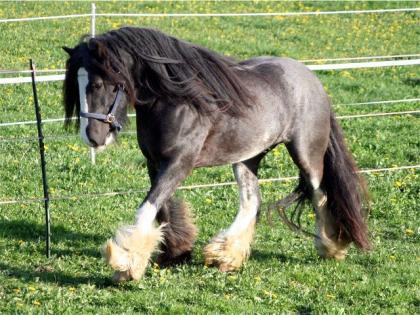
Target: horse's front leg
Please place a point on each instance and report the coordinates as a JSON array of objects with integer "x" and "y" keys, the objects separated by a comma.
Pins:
[
  {"x": 179, "y": 229},
  {"x": 129, "y": 252}
]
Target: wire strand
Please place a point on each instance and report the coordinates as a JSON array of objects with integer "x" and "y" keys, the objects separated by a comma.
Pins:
[
  {"x": 410, "y": 100},
  {"x": 191, "y": 187}
]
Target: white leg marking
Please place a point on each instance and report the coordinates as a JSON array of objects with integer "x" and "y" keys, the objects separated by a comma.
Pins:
[
  {"x": 231, "y": 248},
  {"x": 247, "y": 213},
  {"x": 315, "y": 183},
  {"x": 326, "y": 243},
  {"x": 319, "y": 199},
  {"x": 83, "y": 80},
  {"x": 145, "y": 216},
  {"x": 130, "y": 250}
]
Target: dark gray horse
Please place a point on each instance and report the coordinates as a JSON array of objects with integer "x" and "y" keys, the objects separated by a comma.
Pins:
[{"x": 197, "y": 108}]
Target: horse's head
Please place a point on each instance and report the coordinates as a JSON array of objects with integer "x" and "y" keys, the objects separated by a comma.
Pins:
[{"x": 95, "y": 90}]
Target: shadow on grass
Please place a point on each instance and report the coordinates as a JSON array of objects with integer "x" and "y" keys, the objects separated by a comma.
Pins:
[
  {"x": 267, "y": 255},
  {"x": 54, "y": 277},
  {"x": 32, "y": 232}
]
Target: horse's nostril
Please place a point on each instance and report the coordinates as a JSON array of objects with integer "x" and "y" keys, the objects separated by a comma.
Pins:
[
  {"x": 93, "y": 142},
  {"x": 91, "y": 138}
]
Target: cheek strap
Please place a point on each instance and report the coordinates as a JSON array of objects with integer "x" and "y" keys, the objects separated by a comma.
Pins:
[{"x": 110, "y": 117}]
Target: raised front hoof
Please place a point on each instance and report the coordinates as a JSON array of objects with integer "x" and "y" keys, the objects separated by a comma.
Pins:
[
  {"x": 165, "y": 260},
  {"x": 130, "y": 251},
  {"x": 226, "y": 254},
  {"x": 330, "y": 249}
]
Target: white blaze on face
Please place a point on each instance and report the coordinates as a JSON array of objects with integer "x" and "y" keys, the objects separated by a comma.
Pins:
[{"x": 83, "y": 80}]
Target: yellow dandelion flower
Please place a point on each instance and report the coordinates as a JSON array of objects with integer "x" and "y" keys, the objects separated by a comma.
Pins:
[
  {"x": 409, "y": 232},
  {"x": 270, "y": 294},
  {"x": 36, "y": 302},
  {"x": 32, "y": 289}
]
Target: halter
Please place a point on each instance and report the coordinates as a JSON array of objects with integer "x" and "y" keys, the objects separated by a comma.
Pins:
[{"x": 110, "y": 117}]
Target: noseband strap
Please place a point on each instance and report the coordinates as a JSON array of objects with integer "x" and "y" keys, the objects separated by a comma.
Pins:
[{"x": 110, "y": 117}]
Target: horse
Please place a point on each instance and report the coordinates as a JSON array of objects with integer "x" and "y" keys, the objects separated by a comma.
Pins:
[{"x": 197, "y": 108}]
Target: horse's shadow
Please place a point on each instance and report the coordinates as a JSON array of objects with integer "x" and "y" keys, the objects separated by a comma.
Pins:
[
  {"x": 33, "y": 232},
  {"x": 56, "y": 277},
  {"x": 266, "y": 255},
  {"x": 75, "y": 244}
]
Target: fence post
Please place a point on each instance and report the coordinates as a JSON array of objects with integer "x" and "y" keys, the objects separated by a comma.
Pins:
[
  {"x": 43, "y": 164},
  {"x": 92, "y": 34}
]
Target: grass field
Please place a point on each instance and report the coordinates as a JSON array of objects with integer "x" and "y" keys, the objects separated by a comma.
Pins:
[{"x": 284, "y": 274}]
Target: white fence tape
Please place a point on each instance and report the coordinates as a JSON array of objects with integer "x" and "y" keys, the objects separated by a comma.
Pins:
[
  {"x": 406, "y": 100},
  {"x": 8, "y": 71},
  {"x": 41, "y": 78},
  {"x": 60, "y": 17},
  {"x": 43, "y": 18},
  {"x": 379, "y": 114},
  {"x": 360, "y": 58},
  {"x": 358, "y": 65},
  {"x": 257, "y": 13},
  {"x": 336, "y": 66}
]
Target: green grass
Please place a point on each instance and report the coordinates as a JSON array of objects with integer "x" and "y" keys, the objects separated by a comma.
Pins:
[{"x": 284, "y": 274}]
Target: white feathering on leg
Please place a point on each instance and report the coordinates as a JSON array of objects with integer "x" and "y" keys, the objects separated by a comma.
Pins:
[{"x": 130, "y": 251}]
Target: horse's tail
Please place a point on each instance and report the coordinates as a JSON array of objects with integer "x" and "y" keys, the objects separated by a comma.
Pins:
[{"x": 346, "y": 190}]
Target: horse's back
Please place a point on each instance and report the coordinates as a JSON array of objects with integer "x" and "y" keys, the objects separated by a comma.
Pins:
[
  {"x": 295, "y": 92},
  {"x": 291, "y": 80},
  {"x": 289, "y": 103}
]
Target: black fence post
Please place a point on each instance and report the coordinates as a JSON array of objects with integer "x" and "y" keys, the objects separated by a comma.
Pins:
[{"x": 43, "y": 164}]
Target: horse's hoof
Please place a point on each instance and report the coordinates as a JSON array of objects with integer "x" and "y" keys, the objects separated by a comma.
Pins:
[
  {"x": 129, "y": 253},
  {"x": 165, "y": 260},
  {"x": 121, "y": 276},
  {"x": 329, "y": 249},
  {"x": 226, "y": 254}
]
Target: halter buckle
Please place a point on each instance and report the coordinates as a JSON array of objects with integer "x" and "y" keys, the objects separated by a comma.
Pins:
[{"x": 110, "y": 118}]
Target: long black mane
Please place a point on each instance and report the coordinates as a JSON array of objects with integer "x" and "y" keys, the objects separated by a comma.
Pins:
[{"x": 153, "y": 65}]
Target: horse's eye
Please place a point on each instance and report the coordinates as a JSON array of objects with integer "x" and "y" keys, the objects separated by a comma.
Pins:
[{"x": 96, "y": 85}]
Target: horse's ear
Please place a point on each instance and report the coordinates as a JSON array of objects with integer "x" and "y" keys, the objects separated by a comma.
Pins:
[{"x": 68, "y": 50}]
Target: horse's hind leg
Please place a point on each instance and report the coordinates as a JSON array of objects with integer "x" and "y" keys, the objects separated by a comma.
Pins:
[
  {"x": 308, "y": 154},
  {"x": 179, "y": 232},
  {"x": 230, "y": 248}
]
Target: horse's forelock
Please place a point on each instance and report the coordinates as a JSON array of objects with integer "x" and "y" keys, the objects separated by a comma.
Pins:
[{"x": 70, "y": 88}]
